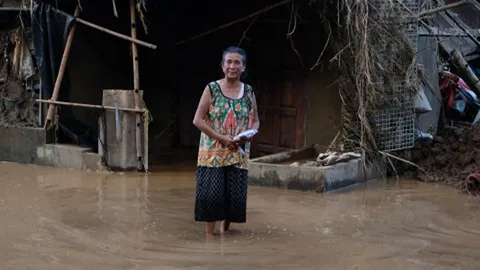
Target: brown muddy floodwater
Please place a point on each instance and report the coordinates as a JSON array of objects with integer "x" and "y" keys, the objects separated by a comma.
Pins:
[{"x": 62, "y": 219}]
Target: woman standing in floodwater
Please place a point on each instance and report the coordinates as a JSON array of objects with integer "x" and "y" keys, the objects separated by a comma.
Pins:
[{"x": 226, "y": 108}]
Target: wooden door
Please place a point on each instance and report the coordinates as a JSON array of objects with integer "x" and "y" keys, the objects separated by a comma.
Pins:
[{"x": 281, "y": 109}]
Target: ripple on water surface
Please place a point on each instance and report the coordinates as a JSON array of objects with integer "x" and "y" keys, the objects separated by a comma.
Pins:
[{"x": 60, "y": 219}]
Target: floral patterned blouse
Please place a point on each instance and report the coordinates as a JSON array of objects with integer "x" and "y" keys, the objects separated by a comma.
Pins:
[{"x": 226, "y": 116}]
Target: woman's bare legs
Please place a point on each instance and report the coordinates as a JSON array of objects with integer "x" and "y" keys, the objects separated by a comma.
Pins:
[
  {"x": 225, "y": 226},
  {"x": 210, "y": 228}
]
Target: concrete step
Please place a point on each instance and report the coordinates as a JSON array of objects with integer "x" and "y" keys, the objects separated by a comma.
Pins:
[{"x": 69, "y": 156}]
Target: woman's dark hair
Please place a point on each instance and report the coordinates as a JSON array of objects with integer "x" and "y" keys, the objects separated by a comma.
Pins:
[{"x": 233, "y": 49}]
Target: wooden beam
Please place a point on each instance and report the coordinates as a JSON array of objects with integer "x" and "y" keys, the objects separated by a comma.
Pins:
[
  {"x": 83, "y": 105},
  {"x": 108, "y": 31},
  {"x": 256, "y": 13},
  {"x": 113, "y": 33},
  {"x": 443, "y": 8},
  {"x": 14, "y": 9}
]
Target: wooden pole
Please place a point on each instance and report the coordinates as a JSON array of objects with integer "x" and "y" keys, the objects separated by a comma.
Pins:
[
  {"x": 466, "y": 72},
  {"x": 145, "y": 143},
  {"x": 14, "y": 9},
  {"x": 113, "y": 33},
  {"x": 108, "y": 31},
  {"x": 83, "y": 105},
  {"x": 136, "y": 86},
  {"x": 442, "y": 8},
  {"x": 61, "y": 71}
]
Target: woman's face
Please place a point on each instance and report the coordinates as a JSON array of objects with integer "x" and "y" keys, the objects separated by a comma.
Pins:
[{"x": 233, "y": 65}]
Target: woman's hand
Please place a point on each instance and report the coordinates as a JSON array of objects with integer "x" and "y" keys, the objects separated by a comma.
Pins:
[
  {"x": 227, "y": 140},
  {"x": 243, "y": 140}
]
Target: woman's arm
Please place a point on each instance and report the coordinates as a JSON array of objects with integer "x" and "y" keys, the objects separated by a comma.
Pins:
[
  {"x": 256, "y": 120},
  {"x": 201, "y": 114}
]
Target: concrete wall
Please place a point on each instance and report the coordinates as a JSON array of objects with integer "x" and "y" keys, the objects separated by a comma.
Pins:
[
  {"x": 31, "y": 146},
  {"x": 266, "y": 171},
  {"x": 20, "y": 144}
]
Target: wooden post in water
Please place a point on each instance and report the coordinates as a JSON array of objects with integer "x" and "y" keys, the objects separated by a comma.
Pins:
[
  {"x": 136, "y": 86},
  {"x": 61, "y": 71}
]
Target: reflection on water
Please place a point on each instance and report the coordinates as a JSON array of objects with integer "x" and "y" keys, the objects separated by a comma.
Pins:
[{"x": 62, "y": 219}]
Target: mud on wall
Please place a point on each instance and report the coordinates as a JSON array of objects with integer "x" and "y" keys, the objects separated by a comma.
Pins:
[{"x": 323, "y": 107}]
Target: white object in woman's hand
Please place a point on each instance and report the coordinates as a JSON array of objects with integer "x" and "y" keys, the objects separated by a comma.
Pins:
[{"x": 245, "y": 136}]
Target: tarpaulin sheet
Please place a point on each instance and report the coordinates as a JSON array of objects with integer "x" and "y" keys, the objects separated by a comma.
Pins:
[{"x": 50, "y": 29}]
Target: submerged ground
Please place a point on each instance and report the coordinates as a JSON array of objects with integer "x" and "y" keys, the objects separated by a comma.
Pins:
[{"x": 63, "y": 219}]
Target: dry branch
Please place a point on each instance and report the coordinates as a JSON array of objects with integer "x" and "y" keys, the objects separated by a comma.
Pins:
[
  {"x": 374, "y": 55},
  {"x": 256, "y": 13}
]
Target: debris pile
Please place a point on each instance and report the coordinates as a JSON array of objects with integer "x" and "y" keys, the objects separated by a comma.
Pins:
[
  {"x": 17, "y": 79},
  {"x": 329, "y": 158},
  {"x": 451, "y": 157}
]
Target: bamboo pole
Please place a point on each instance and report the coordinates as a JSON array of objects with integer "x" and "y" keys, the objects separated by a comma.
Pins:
[
  {"x": 136, "y": 86},
  {"x": 108, "y": 31},
  {"x": 466, "y": 72},
  {"x": 83, "y": 105},
  {"x": 14, "y": 9},
  {"x": 443, "y": 8},
  {"x": 61, "y": 71},
  {"x": 113, "y": 33},
  {"x": 145, "y": 145}
]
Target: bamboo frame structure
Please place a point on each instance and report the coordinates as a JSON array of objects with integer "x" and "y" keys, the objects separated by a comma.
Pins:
[
  {"x": 136, "y": 86},
  {"x": 142, "y": 161}
]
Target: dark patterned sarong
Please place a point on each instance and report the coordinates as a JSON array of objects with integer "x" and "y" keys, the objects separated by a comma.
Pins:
[{"x": 221, "y": 194}]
